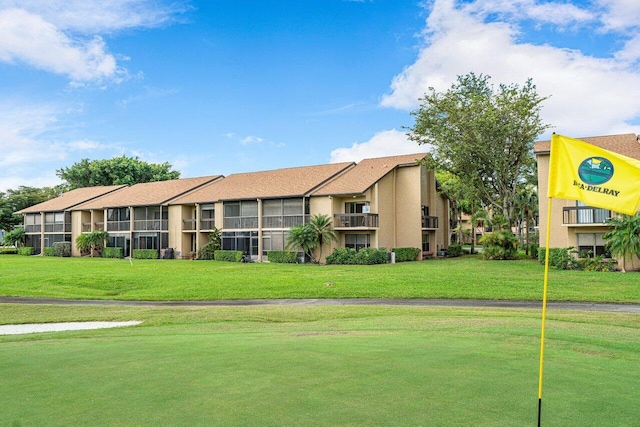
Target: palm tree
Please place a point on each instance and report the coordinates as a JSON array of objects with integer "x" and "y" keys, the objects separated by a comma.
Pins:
[
  {"x": 15, "y": 237},
  {"x": 623, "y": 240},
  {"x": 302, "y": 237},
  {"x": 322, "y": 230}
]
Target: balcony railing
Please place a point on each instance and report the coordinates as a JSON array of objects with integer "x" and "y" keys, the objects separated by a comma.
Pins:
[
  {"x": 364, "y": 220},
  {"x": 151, "y": 224},
  {"x": 429, "y": 222},
  {"x": 584, "y": 215},
  {"x": 99, "y": 225},
  {"x": 33, "y": 228},
  {"x": 86, "y": 227},
  {"x": 247, "y": 222},
  {"x": 207, "y": 223},
  {"x": 118, "y": 225},
  {"x": 189, "y": 224},
  {"x": 284, "y": 221},
  {"x": 57, "y": 227}
]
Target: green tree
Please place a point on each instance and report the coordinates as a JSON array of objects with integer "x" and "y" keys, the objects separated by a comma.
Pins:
[
  {"x": 483, "y": 135},
  {"x": 92, "y": 242},
  {"x": 23, "y": 197},
  {"x": 318, "y": 231},
  {"x": 14, "y": 237},
  {"x": 623, "y": 240},
  {"x": 323, "y": 231},
  {"x": 116, "y": 171},
  {"x": 302, "y": 237}
]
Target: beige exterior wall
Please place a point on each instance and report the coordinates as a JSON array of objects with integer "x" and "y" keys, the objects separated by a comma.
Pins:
[
  {"x": 176, "y": 236},
  {"x": 77, "y": 218}
]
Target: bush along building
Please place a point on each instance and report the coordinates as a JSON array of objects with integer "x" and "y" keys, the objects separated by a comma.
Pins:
[{"x": 387, "y": 202}]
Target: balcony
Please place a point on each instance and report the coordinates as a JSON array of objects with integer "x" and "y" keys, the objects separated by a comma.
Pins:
[
  {"x": 584, "y": 215},
  {"x": 98, "y": 225},
  {"x": 359, "y": 220},
  {"x": 57, "y": 227},
  {"x": 33, "y": 228},
  {"x": 189, "y": 224},
  {"x": 430, "y": 222},
  {"x": 118, "y": 225},
  {"x": 86, "y": 227},
  {"x": 241, "y": 223},
  {"x": 207, "y": 223},
  {"x": 151, "y": 225},
  {"x": 284, "y": 221}
]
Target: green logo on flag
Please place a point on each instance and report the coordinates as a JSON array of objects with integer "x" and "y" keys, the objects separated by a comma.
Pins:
[{"x": 595, "y": 170}]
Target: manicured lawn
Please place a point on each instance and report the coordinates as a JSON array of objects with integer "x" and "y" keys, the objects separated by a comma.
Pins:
[
  {"x": 465, "y": 277},
  {"x": 319, "y": 366}
]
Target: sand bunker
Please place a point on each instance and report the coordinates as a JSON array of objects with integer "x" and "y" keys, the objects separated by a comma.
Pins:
[{"x": 56, "y": 327}]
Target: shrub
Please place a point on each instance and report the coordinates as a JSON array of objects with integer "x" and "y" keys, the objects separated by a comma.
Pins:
[
  {"x": 499, "y": 245},
  {"x": 230, "y": 256},
  {"x": 533, "y": 250},
  {"x": 112, "y": 253},
  {"x": 594, "y": 264},
  {"x": 559, "y": 258},
  {"x": 145, "y": 254},
  {"x": 366, "y": 256},
  {"x": 26, "y": 250},
  {"x": 406, "y": 254},
  {"x": 8, "y": 251},
  {"x": 49, "y": 251},
  {"x": 62, "y": 249},
  {"x": 207, "y": 252},
  {"x": 283, "y": 257},
  {"x": 454, "y": 250}
]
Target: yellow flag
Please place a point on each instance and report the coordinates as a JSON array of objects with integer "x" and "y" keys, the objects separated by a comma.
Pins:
[{"x": 593, "y": 175}]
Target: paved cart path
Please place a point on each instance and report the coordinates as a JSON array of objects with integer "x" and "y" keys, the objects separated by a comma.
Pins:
[{"x": 586, "y": 306}]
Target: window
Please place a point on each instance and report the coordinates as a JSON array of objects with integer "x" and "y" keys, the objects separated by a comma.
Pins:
[
  {"x": 357, "y": 241},
  {"x": 592, "y": 244},
  {"x": 241, "y": 214},
  {"x": 425, "y": 243},
  {"x": 356, "y": 207},
  {"x": 273, "y": 241},
  {"x": 243, "y": 241},
  {"x": 282, "y": 213},
  {"x": 208, "y": 216},
  {"x": 118, "y": 214}
]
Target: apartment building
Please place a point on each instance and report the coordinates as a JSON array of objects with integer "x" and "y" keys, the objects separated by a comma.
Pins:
[
  {"x": 382, "y": 202},
  {"x": 573, "y": 224}
]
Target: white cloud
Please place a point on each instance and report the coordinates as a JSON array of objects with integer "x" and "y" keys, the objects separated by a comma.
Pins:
[
  {"x": 619, "y": 15},
  {"x": 589, "y": 95},
  {"x": 386, "y": 143},
  {"x": 31, "y": 149},
  {"x": 101, "y": 16},
  {"x": 29, "y": 39},
  {"x": 251, "y": 139}
]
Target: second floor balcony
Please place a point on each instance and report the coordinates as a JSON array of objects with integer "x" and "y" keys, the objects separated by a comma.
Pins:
[
  {"x": 151, "y": 225},
  {"x": 430, "y": 222},
  {"x": 358, "y": 220},
  {"x": 578, "y": 215},
  {"x": 283, "y": 221},
  {"x": 33, "y": 228}
]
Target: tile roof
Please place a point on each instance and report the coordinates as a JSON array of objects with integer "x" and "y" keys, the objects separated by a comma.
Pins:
[
  {"x": 71, "y": 199},
  {"x": 366, "y": 173},
  {"x": 148, "y": 194},
  {"x": 626, "y": 144},
  {"x": 289, "y": 182}
]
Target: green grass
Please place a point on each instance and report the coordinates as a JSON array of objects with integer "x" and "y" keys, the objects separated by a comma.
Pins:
[
  {"x": 320, "y": 366},
  {"x": 464, "y": 277}
]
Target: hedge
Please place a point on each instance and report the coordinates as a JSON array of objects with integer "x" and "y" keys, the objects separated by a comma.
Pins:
[
  {"x": 62, "y": 249},
  {"x": 231, "y": 256},
  {"x": 207, "y": 251},
  {"x": 366, "y": 256},
  {"x": 8, "y": 251},
  {"x": 145, "y": 254},
  {"x": 49, "y": 251},
  {"x": 26, "y": 250},
  {"x": 283, "y": 257},
  {"x": 112, "y": 253},
  {"x": 454, "y": 250},
  {"x": 406, "y": 254}
]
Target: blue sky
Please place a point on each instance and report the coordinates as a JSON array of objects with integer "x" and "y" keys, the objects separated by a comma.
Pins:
[{"x": 219, "y": 87}]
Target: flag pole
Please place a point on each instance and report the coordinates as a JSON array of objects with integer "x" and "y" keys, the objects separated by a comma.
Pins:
[{"x": 544, "y": 307}]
